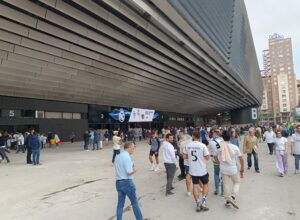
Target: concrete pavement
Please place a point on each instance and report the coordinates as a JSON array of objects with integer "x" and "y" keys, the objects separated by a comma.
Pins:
[{"x": 73, "y": 184}]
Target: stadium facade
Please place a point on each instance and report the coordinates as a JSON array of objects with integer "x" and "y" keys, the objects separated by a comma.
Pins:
[{"x": 65, "y": 65}]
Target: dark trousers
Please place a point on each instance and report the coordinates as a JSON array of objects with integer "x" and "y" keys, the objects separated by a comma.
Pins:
[
  {"x": 271, "y": 145},
  {"x": 297, "y": 159},
  {"x": 3, "y": 155},
  {"x": 28, "y": 157},
  {"x": 86, "y": 145},
  {"x": 171, "y": 170},
  {"x": 95, "y": 143},
  {"x": 249, "y": 160},
  {"x": 116, "y": 152},
  {"x": 181, "y": 166}
]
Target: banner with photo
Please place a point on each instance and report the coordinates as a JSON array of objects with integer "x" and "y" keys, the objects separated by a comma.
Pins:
[{"x": 141, "y": 115}]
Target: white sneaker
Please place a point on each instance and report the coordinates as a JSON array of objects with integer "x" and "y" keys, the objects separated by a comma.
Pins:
[
  {"x": 156, "y": 169},
  {"x": 188, "y": 193},
  {"x": 152, "y": 167},
  {"x": 296, "y": 171}
]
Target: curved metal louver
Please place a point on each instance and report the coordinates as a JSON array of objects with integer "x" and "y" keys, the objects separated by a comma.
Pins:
[{"x": 129, "y": 53}]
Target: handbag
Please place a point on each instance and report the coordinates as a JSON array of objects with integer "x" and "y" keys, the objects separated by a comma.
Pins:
[{"x": 255, "y": 148}]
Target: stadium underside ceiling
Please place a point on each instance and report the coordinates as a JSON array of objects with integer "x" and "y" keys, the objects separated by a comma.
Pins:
[{"x": 130, "y": 53}]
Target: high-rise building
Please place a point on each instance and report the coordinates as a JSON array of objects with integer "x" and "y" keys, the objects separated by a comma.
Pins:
[
  {"x": 279, "y": 79},
  {"x": 298, "y": 91},
  {"x": 267, "y": 102},
  {"x": 267, "y": 62}
]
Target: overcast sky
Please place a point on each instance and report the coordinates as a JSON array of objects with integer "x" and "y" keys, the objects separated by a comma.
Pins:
[{"x": 275, "y": 16}]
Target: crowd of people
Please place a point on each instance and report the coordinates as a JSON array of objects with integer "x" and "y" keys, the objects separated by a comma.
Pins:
[
  {"x": 191, "y": 149},
  {"x": 187, "y": 149},
  {"x": 30, "y": 142}
]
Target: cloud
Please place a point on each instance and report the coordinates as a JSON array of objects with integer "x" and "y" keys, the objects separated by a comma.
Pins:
[{"x": 275, "y": 16}]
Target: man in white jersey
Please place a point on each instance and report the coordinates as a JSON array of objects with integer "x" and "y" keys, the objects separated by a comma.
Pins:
[
  {"x": 226, "y": 155},
  {"x": 198, "y": 155},
  {"x": 212, "y": 144}
]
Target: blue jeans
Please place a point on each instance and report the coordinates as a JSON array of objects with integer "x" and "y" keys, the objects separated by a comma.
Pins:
[
  {"x": 133, "y": 140},
  {"x": 217, "y": 178},
  {"x": 97, "y": 144},
  {"x": 116, "y": 152},
  {"x": 297, "y": 158},
  {"x": 35, "y": 157},
  {"x": 127, "y": 188},
  {"x": 249, "y": 160},
  {"x": 86, "y": 145}
]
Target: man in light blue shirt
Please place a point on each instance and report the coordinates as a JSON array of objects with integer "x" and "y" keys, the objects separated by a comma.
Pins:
[{"x": 124, "y": 183}]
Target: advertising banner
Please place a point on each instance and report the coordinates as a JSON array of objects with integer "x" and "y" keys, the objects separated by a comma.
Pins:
[{"x": 141, "y": 115}]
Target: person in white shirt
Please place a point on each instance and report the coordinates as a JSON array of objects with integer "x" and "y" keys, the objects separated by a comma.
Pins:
[
  {"x": 57, "y": 140},
  {"x": 117, "y": 141},
  {"x": 281, "y": 149},
  {"x": 269, "y": 136},
  {"x": 295, "y": 151},
  {"x": 185, "y": 139},
  {"x": 212, "y": 143},
  {"x": 20, "y": 140},
  {"x": 43, "y": 140},
  {"x": 14, "y": 140},
  {"x": 169, "y": 157},
  {"x": 198, "y": 155},
  {"x": 229, "y": 169}
]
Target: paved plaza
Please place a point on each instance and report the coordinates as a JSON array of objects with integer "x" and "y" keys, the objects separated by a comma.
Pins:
[{"x": 73, "y": 184}]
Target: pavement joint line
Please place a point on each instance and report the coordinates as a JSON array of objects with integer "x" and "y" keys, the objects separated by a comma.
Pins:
[{"x": 47, "y": 196}]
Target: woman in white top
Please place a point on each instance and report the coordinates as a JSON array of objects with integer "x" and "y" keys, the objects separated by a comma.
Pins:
[{"x": 281, "y": 149}]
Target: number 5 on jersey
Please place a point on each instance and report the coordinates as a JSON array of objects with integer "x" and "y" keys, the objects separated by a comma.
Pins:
[{"x": 194, "y": 156}]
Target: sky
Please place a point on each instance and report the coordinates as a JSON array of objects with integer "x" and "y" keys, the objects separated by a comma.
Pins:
[{"x": 275, "y": 16}]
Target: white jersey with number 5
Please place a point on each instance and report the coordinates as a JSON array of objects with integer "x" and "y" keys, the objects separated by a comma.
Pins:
[{"x": 196, "y": 152}]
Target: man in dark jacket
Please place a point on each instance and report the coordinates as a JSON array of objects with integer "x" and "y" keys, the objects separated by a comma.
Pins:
[
  {"x": 96, "y": 141},
  {"x": 35, "y": 145},
  {"x": 3, "y": 155},
  {"x": 28, "y": 157},
  {"x": 86, "y": 138}
]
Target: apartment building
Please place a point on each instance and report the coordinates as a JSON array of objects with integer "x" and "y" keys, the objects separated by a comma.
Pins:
[{"x": 279, "y": 80}]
